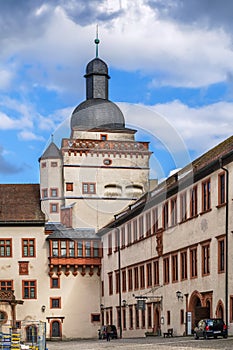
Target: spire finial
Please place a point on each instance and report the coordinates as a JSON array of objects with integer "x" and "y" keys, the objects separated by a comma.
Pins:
[
  {"x": 51, "y": 137},
  {"x": 97, "y": 41}
]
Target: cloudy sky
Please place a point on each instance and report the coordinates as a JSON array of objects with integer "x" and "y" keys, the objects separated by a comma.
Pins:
[{"x": 170, "y": 62}]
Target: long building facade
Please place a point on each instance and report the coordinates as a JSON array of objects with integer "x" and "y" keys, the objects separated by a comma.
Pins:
[
  {"x": 93, "y": 244},
  {"x": 169, "y": 255}
]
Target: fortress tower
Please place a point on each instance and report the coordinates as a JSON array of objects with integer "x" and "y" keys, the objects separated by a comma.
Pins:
[{"x": 100, "y": 169}]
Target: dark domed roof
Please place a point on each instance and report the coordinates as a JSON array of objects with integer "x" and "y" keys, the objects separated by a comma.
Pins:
[
  {"x": 96, "y": 66},
  {"x": 97, "y": 113}
]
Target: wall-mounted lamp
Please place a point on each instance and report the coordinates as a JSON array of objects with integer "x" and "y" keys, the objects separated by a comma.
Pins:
[
  {"x": 179, "y": 295},
  {"x": 43, "y": 308},
  {"x": 162, "y": 320},
  {"x": 101, "y": 306}
]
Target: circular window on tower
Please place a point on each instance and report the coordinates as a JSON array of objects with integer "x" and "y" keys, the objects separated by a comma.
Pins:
[
  {"x": 107, "y": 161},
  {"x": 3, "y": 317}
]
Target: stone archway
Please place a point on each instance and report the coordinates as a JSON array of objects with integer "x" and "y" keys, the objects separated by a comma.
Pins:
[
  {"x": 220, "y": 310},
  {"x": 198, "y": 308}
]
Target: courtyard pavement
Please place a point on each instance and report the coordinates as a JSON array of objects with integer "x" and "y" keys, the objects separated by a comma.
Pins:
[{"x": 157, "y": 343}]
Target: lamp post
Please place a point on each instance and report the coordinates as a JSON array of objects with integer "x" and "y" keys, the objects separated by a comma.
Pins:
[{"x": 226, "y": 229}]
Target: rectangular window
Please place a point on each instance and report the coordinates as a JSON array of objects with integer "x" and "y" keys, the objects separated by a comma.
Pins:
[
  {"x": 63, "y": 249},
  {"x": 95, "y": 318},
  {"x": 129, "y": 233},
  {"x": 141, "y": 227},
  {"x": 221, "y": 189},
  {"x": 88, "y": 249},
  {"x": 135, "y": 230},
  {"x": 130, "y": 279},
  {"x": 221, "y": 255},
  {"x": 183, "y": 265},
  {"x": 156, "y": 272},
  {"x": 124, "y": 318},
  {"x": 206, "y": 202},
  {"x": 131, "y": 317},
  {"x": 110, "y": 244},
  {"x": 6, "y": 285},
  {"x": 166, "y": 271},
  {"x": 71, "y": 248},
  {"x": 55, "y": 248},
  {"x": 136, "y": 317},
  {"x": 44, "y": 193},
  {"x": 122, "y": 237},
  {"x": 5, "y": 248},
  {"x": 193, "y": 262},
  {"x": 155, "y": 220},
  {"x": 193, "y": 202},
  {"x": 124, "y": 281},
  {"x": 80, "y": 248},
  {"x": 117, "y": 282},
  {"x": 149, "y": 316},
  {"x": 173, "y": 211},
  {"x": 143, "y": 318},
  {"x": 182, "y": 316},
  {"x": 96, "y": 249},
  {"x": 69, "y": 186},
  {"x": 55, "y": 303},
  {"x": 53, "y": 164},
  {"x": 174, "y": 268},
  {"x": 168, "y": 317},
  {"x": 29, "y": 289},
  {"x": 28, "y": 247},
  {"x": 53, "y": 208},
  {"x": 117, "y": 239},
  {"x": 110, "y": 284},
  {"x": 54, "y": 282},
  {"x": 142, "y": 277},
  {"x": 148, "y": 224},
  {"x": 103, "y": 137},
  {"x": 231, "y": 308},
  {"x": 88, "y": 188},
  {"x": 183, "y": 207},
  {"x": 136, "y": 279},
  {"x": 165, "y": 216},
  {"x": 149, "y": 274},
  {"x": 54, "y": 192},
  {"x": 205, "y": 259}
]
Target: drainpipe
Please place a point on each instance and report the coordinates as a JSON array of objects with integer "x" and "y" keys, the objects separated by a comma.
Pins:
[
  {"x": 119, "y": 269},
  {"x": 226, "y": 230}
]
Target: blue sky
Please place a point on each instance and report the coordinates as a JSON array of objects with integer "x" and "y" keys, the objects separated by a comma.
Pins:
[{"x": 171, "y": 68}]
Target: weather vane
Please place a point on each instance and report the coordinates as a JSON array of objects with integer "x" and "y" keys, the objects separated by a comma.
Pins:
[{"x": 97, "y": 41}]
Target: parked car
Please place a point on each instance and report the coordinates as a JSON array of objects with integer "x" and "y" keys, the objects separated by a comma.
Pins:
[
  {"x": 102, "y": 333},
  {"x": 210, "y": 327}
]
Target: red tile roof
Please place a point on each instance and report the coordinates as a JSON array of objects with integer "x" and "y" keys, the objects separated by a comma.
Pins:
[{"x": 20, "y": 203}]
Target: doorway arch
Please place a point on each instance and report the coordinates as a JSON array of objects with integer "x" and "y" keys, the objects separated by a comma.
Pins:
[
  {"x": 220, "y": 310},
  {"x": 199, "y": 308},
  {"x": 55, "y": 329}
]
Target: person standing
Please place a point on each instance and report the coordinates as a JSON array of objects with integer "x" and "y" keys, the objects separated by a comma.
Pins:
[{"x": 108, "y": 331}]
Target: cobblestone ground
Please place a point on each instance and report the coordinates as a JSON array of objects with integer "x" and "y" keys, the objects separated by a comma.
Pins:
[{"x": 144, "y": 343}]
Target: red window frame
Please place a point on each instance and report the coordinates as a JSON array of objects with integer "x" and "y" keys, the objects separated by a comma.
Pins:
[{"x": 28, "y": 247}]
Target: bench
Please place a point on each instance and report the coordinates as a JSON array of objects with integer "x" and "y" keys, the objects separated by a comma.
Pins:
[{"x": 169, "y": 333}]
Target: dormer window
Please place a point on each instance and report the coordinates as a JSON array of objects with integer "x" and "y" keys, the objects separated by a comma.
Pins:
[{"x": 103, "y": 137}]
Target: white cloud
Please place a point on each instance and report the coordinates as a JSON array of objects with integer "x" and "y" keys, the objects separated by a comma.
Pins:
[
  {"x": 135, "y": 38},
  {"x": 29, "y": 136},
  {"x": 201, "y": 127}
]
